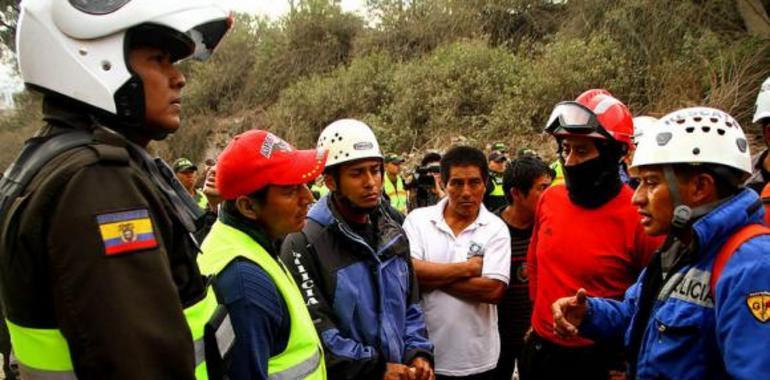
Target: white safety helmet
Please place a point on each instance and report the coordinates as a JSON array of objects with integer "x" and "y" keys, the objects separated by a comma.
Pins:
[
  {"x": 348, "y": 140},
  {"x": 78, "y": 48},
  {"x": 642, "y": 124},
  {"x": 762, "y": 107},
  {"x": 695, "y": 135}
]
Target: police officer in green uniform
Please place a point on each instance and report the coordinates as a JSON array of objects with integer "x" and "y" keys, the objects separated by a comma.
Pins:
[
  {"x": 97, "y": 260},
  {"x": 187, "y": 174},
  {"x": 262, "y": 181},
  {"x": 393, "y": 184},
  {"x": 495, "y": 195}
]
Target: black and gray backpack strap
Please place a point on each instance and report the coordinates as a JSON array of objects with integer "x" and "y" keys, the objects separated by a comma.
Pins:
[{"x": 36, "y": 153}]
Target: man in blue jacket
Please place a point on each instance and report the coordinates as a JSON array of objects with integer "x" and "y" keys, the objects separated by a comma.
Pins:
[
  {"x": 691, "y": 167},
  {"x": 352, "y": 263}
]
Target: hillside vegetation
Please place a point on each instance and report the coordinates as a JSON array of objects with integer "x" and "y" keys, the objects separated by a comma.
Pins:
[{"x": 426, "y": 73}]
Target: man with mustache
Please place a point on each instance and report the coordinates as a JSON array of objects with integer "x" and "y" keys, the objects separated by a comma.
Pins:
[
  {"x": 352, "y": 263},
  {"x": 97, "y": 262},
  {"x": 262, "y": 181},
  {"x": 700, "y": 309},
  {"x": 462, "y": 255},
  {"x": 586, "y": 233}
]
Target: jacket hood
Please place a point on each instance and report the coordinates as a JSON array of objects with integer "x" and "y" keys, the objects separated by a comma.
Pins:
[{"x": 321, "y": 212}]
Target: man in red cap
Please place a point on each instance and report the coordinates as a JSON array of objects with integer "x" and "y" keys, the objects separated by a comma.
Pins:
[
  {"x": 586, "y": 234},
  {"x": 261, "y": 179}
]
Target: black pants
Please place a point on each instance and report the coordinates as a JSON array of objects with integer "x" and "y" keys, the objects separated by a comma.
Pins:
[
  {"x": 508, "y": 356},
  {"x": 479, "y": 376},
  {"x": 542, "y": 359}
]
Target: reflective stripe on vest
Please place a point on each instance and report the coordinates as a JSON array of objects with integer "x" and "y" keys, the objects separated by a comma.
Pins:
[
  {"x": 197, "y": 316},
  {"x": 35, "y": 374},
  {"x": 303, "y": 355},
  {"x": 301, "y": 370},
  {"x": 397, "y": 198},
  {"x": 44, "y": 353}
]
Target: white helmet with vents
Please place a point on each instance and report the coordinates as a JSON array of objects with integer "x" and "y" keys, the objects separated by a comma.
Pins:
[
  {"x": 694, "y": 135},
  {"x": 348, "y": 140}
]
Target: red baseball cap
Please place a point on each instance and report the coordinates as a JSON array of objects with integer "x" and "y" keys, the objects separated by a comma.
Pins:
[{"x": 255, "y": 159}]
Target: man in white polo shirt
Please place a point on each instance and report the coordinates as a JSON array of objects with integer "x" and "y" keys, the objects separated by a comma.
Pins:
[{"x": 461, "y": 254}]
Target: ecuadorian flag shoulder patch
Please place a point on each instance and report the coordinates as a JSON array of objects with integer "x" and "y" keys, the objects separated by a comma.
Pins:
[{"x": 126, "y": 231}]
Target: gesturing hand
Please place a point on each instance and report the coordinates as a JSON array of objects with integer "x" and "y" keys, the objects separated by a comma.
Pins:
[{"x": 568, "y": 314}]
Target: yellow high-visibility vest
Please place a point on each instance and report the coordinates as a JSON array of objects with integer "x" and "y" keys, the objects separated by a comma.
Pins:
[{"x": 303, "y": 356}]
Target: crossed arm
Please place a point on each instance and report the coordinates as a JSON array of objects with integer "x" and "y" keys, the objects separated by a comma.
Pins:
[{"x": 462, "y": 280}]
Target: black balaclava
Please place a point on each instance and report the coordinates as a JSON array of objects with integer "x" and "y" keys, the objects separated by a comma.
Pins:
[{"x": 595, "y": 182}]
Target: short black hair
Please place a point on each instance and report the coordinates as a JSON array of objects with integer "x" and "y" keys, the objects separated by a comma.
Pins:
[
  {"x": 260, "y": 196},
  {"x": 521, "y": 174},
  {"x": 463, "y": 155}
]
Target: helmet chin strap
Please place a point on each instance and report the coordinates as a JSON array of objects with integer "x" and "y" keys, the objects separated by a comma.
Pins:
[{"x": 683, "y": 215}]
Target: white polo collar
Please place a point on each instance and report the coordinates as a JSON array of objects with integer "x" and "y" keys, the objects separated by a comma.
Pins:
[{"x": 437, "y": 216}]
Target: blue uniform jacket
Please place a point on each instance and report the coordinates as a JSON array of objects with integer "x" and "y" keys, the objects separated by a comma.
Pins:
[
  {"x": 363, "y": 300},
  {"x": 691, "y": 334}
]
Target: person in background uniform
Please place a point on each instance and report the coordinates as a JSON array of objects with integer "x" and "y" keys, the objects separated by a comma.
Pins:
[
  {"x": 687, "y": 316},
  {"x": 494, "y": 198},
  {"x": 522, "y": 152},
  {"x": 760, "y": 163},
  {"x": 557, "y": 168},
  {"x": 524, "y": 181},
  {"x": 393, "y": 184},
  {"x": 318, "y": 188},
  {"x": 586, "y": 233},
  {"x": 97, "y": 264},
  {"x": 352, "y": 263},
  {"x": 187, "y": 174},
  {"x": 500, "y": 147},
  {"x": 461, "y": 254},
  {"x": 262, "y": 180}
]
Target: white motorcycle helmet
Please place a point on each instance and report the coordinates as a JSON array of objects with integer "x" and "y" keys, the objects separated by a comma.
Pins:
[
  {"x": 762, "y": 105},
  {"x": 348, "y": 140},
  {"x": 78, "y": 48}
]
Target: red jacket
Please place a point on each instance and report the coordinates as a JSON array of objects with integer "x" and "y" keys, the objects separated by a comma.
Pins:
[{"x": 602, "y": 250}]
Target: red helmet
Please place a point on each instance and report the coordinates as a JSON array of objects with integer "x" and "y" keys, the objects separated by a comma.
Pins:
[{"x": 595, "y": 113}]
